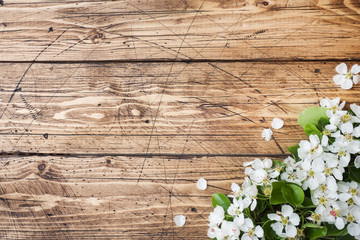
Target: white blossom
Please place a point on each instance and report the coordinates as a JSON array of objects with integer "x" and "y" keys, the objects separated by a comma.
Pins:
[
  {"x": 285, "y": 220},
  {"x": 251, "y": 232},
  {"x": 346, "y": 78}
]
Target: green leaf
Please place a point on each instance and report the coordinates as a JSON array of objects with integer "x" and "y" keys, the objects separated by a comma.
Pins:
[
  {"x": 311, "y": 129},
  {"x": 313, "y": 231},
  {"x": 219, "y": 199},
  {"x": 268, "y": 231},
  {"x": 333, "y": 231},
  {"x": 346, "y": 237},
  {"x": 312, "y": 115},
  {"x": 308, "y": 203},
  {"x": 322, "y": 123},
  {"x": 261, "y": 206},
  {"x": 294, "y": 152},
  {"x": 354, "y": 173},
  {"x": 293, "y": 194},
  {"x": 276, "y": 196}
]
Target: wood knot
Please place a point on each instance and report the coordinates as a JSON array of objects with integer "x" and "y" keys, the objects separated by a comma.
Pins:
[
  {"x": 41, "y": 167},
  {"x": 108, "y": 161},
  {"x": 265, "y": 3},
  {"x": 96, "y": 36}
]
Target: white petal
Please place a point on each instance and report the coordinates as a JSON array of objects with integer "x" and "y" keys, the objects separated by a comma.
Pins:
[
  {"x": 286, "y": 210},
  {"x": 353, "y": 229},
  {"x": 337, "y": 174},
  {"x": 347, "y": 128},
  {"x": 355, "y": 69},
  {"x": 273, "y": 216},
  {"x": 290, "y": 230},
  {"x": 357, "y": 162},
  {"x": 267, "y": 163},
  {"x": 294, "y": 219},
  {"x": 201, "y": 184},
  {"x": 259, "y": 232},
  {"x": 235, "y": 187},
  {"x": 347, "y": 84},
  {"x": 339, "y": 223},
  {"x": 341, "y": 68},
  {"x": 324, "y": 140},
  {"x": 356, "y": 109},
  {"x": 266, "y": 134},
  {"x": 356, "y": 79},
  {"x": 180, "y": 220},
  {"x": 253, "y": 205},
  {"x": 277, "y": 123},
  {"x": 277, "y": 227},
  {"x": 339, "y": 79}
]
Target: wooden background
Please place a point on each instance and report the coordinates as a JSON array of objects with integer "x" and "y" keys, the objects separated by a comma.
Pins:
[{"x": 111, "y": 110}]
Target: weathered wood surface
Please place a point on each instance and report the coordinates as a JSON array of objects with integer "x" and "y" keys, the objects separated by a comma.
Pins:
[
  {"x": 104, "y": 197},
  {"x": 111, "y": 110},
  {"x": 171, "y": 29},
  {"x": 159, "y": 108}
]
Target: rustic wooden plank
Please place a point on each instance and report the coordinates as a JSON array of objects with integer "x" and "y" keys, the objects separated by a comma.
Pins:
[
  {"x": 167, "y": 30},
  {"x": 106, "y": 198},
  {"x": 159, "y": 108}
]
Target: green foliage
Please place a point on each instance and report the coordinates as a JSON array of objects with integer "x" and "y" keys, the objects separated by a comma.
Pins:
[
  {"x": 293, "y": 194},
  {"x": 311, "y": 115},
  {"x": 322, "y": 123},
  {"x": 311, "y": 129},
  {"x": 314, "y": 231},
  {"x": 354, "y": 173},
  {"x": 219, "y": 199},
  {"x": 276, "y": 196},
  {"x": 294, "y": 152},
  {"x": 285, "y": 192}
]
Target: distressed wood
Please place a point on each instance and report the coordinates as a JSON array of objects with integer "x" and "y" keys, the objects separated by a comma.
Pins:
[
  {"x": 159, "y": 108},
  {"x": 170, "y": 29},
  {"x": 107, "y": 197}
]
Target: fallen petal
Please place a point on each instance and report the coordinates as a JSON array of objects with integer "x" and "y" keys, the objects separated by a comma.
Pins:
[
  {"x": 201, "y": 184},
  {"x": 266, "y": 134},
  {"x": 180, "y": 220},
  {"x": 277, "y": 123}
]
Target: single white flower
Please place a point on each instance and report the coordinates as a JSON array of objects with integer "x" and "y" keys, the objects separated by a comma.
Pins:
[
  {"x": 318, "y": 215},
  {"x": 180, "y": 220},
  {"x": 266, "y": 134},
  {"x": 285, "y": 220},
  {"x": 346, "y": 78},
  {"x": 251, "y": 232},
  {"x": 310, "y": 149},
  {"x": 333, "y": 105},
  {"x": 236, "y": 208},
  {"x": 349, "y": 192},
  {"x": 201, "y": 184},
  {"x": 277, "y": 123},
  {"x": 315, "y": 173},
  {"x": 332, "y": 215}
]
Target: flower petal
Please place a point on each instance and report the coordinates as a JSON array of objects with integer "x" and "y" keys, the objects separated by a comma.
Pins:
[
  {"x": 201, "y": 184},
  {"x": 341, "y": 68},
  {"x": 357, "y": 162},
  {"x": 266, "y": 134},
  {"x": 277, "y": 123},
  {"x": 290, "y": 230},
  {"x": 180, "y": 220},
  {"x": 338, "y": 79},
  {"x": 347, "y": 84},
  {"x": 294, "y": 219},
  {"x": 355, "y": 69},
  {"x": 259, "y": 232},
  {"x": 356, "y": 79},
  {"x": 339, "y": 223},
  {"x": 286, "y": 210}
]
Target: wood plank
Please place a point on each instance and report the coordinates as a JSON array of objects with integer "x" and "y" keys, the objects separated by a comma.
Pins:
[
  {"x": 166, "y": 30},
  {"x": 159, "y": 108},
  {"x": 107, "y": 197}
]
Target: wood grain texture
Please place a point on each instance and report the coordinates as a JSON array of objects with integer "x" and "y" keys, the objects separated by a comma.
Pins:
[
  {"x": 104, "y": 198},
  {"x": 172, "y": 30},
  {"x": 159, "y": 108}
]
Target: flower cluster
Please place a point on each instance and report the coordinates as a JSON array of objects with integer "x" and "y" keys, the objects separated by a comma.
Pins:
[{"x": 315, "y": 194}]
